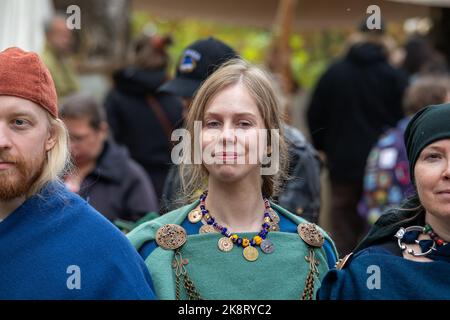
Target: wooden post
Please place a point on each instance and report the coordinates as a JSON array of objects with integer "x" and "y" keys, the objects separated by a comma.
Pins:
[{"x": 279, "y": 53}]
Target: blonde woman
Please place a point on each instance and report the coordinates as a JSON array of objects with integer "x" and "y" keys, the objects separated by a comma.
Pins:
[{"x": 231, "y": 241}]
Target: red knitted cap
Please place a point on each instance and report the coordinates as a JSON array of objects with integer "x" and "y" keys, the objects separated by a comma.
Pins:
[{"x": 24, "y": 75}]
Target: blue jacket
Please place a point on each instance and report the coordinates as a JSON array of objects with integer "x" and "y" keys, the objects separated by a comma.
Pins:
[
  {"x": 377, "y": 273},
  {"x": 56, "y": 246}
]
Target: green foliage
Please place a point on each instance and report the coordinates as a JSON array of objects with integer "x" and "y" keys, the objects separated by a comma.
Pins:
[{"x": 311, "y": 52}]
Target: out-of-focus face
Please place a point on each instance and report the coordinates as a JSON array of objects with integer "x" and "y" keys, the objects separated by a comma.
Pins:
[
  {"x": 60, "y": 37},
  {"x": 86, "y": 142},
  {"x": 25, "y": 138},
  {"x": 231, "y": 121},
  {"x": 432, "y": 176}
]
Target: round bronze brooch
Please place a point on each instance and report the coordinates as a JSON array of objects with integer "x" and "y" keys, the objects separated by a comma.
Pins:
[{"x": 171, "y": 236}]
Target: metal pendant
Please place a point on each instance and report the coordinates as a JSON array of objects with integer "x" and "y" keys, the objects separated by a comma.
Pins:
[
  {"x": 274, "y": 216},
  {"x": 310, "y": 234},
  {"x": 250, "y": 253},
  {"x": 207, "y": 228},
  {"x": 225, "y": 244},
  {"x": 267, "y": 246},
  {"x": 171, "y": 236},
  {"x": 273, "y": 227},
  {"x": 194, "y": 216}
]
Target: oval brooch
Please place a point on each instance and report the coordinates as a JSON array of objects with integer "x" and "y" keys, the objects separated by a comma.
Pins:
[
  {"x": 171, "y": 236},
  {"x": 310, "y": 234}
]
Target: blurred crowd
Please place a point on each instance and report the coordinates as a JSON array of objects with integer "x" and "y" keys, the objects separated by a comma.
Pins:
[{"x": 357, "y": 114}]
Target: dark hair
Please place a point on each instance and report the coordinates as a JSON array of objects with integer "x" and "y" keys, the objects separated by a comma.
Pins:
[
  {"x": 417, "y": 51},
  {"x": 151, "y": 51},
  {"x": 83, "y": 106}
]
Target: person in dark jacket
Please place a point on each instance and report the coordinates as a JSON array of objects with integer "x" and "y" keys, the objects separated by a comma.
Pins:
[
  {"x": 141, "y": 118},
  {"x": 356, "y": 99},
  {"x": 104, "y": 174}
]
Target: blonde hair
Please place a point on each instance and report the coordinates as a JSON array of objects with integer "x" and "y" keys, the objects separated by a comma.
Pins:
[
  {"x": 258, "y": 83},
  {"x": 57, "y": 162}
]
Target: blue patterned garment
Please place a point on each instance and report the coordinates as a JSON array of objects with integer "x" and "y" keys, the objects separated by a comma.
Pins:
[{"x": 386, "y": 180}]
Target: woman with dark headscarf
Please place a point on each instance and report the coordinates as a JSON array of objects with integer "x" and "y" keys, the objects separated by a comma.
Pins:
[{"x": 406, "y": 254}]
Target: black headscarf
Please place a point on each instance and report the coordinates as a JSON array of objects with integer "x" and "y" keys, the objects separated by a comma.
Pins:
[{"x": 428, "y": 125}]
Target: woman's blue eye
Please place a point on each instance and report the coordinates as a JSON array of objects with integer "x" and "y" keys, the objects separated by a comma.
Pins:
[
  {"x": 212, "y": 124},
  {"x": 245, "y": 124}
]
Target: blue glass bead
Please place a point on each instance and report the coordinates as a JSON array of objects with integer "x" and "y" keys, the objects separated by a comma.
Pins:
[
  {"x": 252, "y": 243},
  {"x": 265, "y": 225},
  {"x": 239, "y": 241},
  {"x": 266, "y": 215},
  {"x": 202, "y": 207},
  {"x": 210, "y": 221}
]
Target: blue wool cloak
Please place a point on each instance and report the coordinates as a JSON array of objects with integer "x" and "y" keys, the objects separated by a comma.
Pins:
[
  {"x": 56, "y": 246},
  {"x": 376, "y": 273}
]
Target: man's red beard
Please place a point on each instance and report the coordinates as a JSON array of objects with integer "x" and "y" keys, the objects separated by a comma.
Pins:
[{"x": 17, "y": 180}]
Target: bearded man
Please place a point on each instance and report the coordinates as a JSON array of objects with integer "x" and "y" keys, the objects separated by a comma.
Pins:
[{"x": 53, "y": 245}]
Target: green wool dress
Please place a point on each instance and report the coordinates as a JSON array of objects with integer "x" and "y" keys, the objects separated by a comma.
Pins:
[{"x": 216, "y": 274}]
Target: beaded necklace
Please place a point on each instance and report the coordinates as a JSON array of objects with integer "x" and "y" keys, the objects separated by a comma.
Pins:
[
  {"x": 438, "y": 240},
  {"x": 227, "y": 242}
]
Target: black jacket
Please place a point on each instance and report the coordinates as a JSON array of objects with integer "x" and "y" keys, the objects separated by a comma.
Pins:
[
  {"x": 354, "y": 102},
  {"x": 118, "y": 187},
  {"x": 134, "y": 124}
]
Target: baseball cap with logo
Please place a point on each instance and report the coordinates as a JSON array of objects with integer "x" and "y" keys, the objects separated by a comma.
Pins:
[{"x": 197, "y": 62}]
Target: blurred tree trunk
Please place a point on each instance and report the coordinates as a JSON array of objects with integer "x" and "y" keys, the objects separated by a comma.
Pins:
[
  {"x": 104, "y": 38},
  {"x": 279, "y": 53},
  {"x": 279, "y": 59}
]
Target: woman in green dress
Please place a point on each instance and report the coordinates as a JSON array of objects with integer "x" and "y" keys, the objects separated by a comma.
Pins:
[{"x": 231, "y": 241}]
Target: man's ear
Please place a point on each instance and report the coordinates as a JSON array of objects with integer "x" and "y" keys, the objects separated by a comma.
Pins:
[{"x": 51, "y": 139}]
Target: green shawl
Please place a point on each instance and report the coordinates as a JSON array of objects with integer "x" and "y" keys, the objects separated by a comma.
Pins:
[{"x": 227, "y": 275}]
